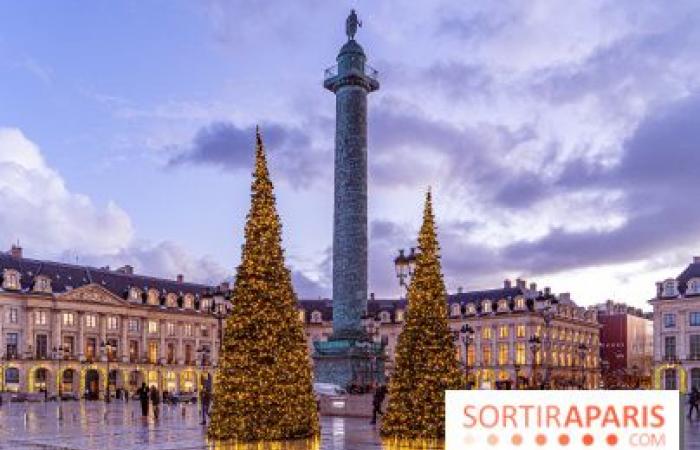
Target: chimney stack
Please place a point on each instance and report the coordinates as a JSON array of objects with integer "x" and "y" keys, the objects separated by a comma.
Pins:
[
  {"x": 520, "y": 283},
  {"x": 371, "y": 295},
  {"x": 696, "y": 259},
  {"x": 533, "y": 287},
  {"x": 460, "y": 289},
  {"x": 659, "y": 289},
  {"x": 126, "y": 270},
  {"x": 180, "y": 278},
  {"x": 224, "y": 286},
  {"x": 507, "y": 284},
  {"x": 547, "y": 291},
  {"x": 16, "y": 251}
]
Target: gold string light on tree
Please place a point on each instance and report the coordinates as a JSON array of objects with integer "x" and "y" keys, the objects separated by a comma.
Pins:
[
  {"x": 263, "y": 388},
  {"x": 425, "y": 354}
]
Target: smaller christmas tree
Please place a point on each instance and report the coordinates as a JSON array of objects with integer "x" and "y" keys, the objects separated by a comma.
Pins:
[
  {"x": 426, "y": 364},
  {"x": 263, "y": 388}
]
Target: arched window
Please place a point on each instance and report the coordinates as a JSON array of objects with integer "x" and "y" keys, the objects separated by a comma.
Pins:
[
  {"x": 670, "y": 380},
  {"x": 134, "y": 294},
  {"x": 12, "y": 375},
  {"x": 695, "y": 378},
  {"x": 189, "y": 301},
  {"x": 171, "y": 300},
  {"x": 456, "y": 310}
]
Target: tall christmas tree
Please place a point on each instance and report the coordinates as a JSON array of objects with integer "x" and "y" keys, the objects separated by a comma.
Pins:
[
  {"x": 426, "y": 363},
  {"x": 263, "y": 388}
]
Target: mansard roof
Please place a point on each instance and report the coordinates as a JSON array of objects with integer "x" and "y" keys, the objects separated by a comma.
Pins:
[{"x": 66, "y": 277}]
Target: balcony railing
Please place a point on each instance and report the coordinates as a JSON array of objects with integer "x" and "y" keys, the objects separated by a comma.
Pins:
[{"x": 332, "y": 72}]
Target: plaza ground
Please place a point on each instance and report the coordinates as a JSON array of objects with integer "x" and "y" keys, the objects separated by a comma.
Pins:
[{"x": 97, "y": 426}]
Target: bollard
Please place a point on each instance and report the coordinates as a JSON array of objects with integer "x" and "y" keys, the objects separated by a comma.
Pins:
[
  {"x": 184, "y": 411},
  {"x": 26, "y": 419}
]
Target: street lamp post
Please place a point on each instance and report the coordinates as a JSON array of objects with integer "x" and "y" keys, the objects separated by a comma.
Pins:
[
  {"x": 535, "y": 343},
  {"x": 517, "y": 376},
  {"x": 467, "y": 337},
  {"x": 582, "y": 350},
  {"x": 203, "y": 353},
  {"x": 59, "y": 353},
  {"x": 405, "y": 266},
  {"x": 107, "y": 348}
]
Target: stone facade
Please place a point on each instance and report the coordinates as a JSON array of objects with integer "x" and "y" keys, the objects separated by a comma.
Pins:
[
  {"x": 65, "y": 327},
  {"x": 677, "y": 330},
  {"x": 350, "y": 83},
  {"x": 503, "y": 321}
]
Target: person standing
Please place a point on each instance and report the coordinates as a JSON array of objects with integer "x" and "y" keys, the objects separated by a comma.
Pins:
[
  {"x": 155, "y": 401},
  {"x": 205, "y": 399},
  {"x": 377, "y": 400},
  {"x": 143, "y": 398},
  {"x": 694, "y": 402}
]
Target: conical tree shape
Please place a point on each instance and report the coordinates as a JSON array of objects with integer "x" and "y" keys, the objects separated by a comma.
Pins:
[
  {"x": 263, "y": 388},
  {"x": 426, "y": 363}
]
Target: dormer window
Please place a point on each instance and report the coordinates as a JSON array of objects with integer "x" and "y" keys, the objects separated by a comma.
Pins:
[
  {"x": 455, "y": 310},
  {"x": 693, "y": 286},
  {"x": 153, "y": 297},
  {"x": 670, "y": 289},
  {"x": 204, "y": 304},
  {"x": 42, "y": 284},
  {"x": 302, "y": 315},
  {"x": 384, "y": 317},
  {"x": 171, "y": 300},
  {"x": 503, "y": 305},
  {"x": 471, "y": 309},
  {"x": 399, "y": 315},
  {"x": 519, "y": 303},
  {"x": 10, "y": 279},
  {"x": 486, "y": 306},
  {"x": 189, "y": 302},
  {"x": 316, "y": 317}
]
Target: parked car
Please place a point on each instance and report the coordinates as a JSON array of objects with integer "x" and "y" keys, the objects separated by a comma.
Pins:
[
  {"x": 328, "y": 389},
  {"x": 182, "y": 398}
]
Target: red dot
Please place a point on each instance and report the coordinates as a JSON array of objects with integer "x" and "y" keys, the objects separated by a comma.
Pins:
[
  {"x": 564, "y": 439},
  {"x": 611, "y": 439},
  {"x": 541, "y": 439},
  {"x": 517, "y": 439},
  {"x": 587, "y": 439}
]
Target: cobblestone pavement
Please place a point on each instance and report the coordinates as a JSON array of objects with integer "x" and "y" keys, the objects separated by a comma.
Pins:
[{"x": 97, "y": 426}]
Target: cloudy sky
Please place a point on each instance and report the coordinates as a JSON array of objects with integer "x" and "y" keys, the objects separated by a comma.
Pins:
[{"x": 561, "y": 139}]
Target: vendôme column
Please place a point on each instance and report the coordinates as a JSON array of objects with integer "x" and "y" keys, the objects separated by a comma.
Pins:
[{"x": 348, "y": 356}]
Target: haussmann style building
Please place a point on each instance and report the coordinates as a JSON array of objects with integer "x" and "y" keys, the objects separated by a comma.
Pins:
[
  {"x": 75, "y": 330},
  {"x": 514, "y": 334}
]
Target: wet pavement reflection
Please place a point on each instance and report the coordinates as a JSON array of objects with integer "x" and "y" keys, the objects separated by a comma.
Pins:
[{"x": 100, "y": 426}]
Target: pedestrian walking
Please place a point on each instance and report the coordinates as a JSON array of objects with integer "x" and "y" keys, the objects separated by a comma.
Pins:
[
  {"x": 205, "y": 399},
  {"x": 694, "y": 402},
  {"x": 377, "y": 400},
  {"x": 155, "y": 401},
  {"x": 143, "y": 398},
  {"x": 126, "y": 395}
]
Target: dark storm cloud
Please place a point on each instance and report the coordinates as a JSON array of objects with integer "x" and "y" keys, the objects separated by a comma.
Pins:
[
  {"x": 231, "y": 147},
  {"x": 659, "y": 176}
]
